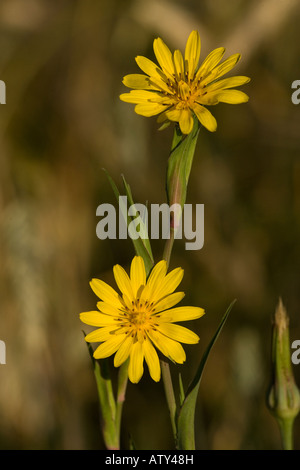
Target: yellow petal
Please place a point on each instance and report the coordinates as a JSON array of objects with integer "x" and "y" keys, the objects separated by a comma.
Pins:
[
  {"x": 109, "y": 347},
  {"x": 105, "y": 292},
  {"x": 178, "y": 65},
  {"x": 210, "y": 62},
  {"x": 135, "y": 368},
  {"x": 186, "y": 121},
  {"x": 221, "y": 69},
  {"x": 170, "y": 282},
  {"x": 231, "y": 82},
  {"x": 205, "y": 117},
  {"x": 179, "y": 314},
  {"x": 164, "y": 57},
  {"x": 123, "y": 281},
  {"x": 140, "y": 96},
  {"x": 127, "y": 302},
  {"x": 232, "y": 97},
  {"x": 95, "y": 318},
  {"x": 207, "y": 99},
  {"x": 152, "y": 360},
  {"x": 138, "y": 81},
  {"x": 168, "y": 301},
  {"x": 192, "y": 53},
  {"x": 178, "y": 333},
  {"x": 170, "y": 348},
  {"x": 149, "y": 109},
  {"x": 156, "y": 277},
  {"x": 149, "y": 67},
  {"x": 108, "y": 309},
  {"x": 123, "y": 351},
  {"x": 173, "y": 114},
  {"x": 100, "y": 335},
  {"x": 137, "y": 274},
  {"x": 161, "y": 85}
]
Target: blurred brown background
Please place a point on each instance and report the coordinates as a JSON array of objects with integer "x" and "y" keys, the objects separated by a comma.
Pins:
[{"x": 63, "y": 64}]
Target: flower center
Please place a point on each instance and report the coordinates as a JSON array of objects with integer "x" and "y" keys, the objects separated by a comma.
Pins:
[
  {"x": 184, "y": 91},
  {"x": 187, "y": 93},
  {"x": 140, "y": 318}
]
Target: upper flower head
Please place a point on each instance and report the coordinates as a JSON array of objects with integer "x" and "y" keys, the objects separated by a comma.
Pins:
[
  {"x": 132, "y": 323},
  {"x": 178, "y": 90}
]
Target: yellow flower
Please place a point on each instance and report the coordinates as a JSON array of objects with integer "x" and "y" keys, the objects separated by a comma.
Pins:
[
  {"x": 131, "y": 324},
  {"x": 178, "y": 90}
]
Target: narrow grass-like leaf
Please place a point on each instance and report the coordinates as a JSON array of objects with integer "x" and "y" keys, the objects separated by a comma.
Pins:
[
  {"x": 107, "y": 401},
  {"x": 186, "y": 416},
  {"x": 143, "y": 228},
  {"x": 181, "y": 390},
  {"x": 141, "y": 245}
]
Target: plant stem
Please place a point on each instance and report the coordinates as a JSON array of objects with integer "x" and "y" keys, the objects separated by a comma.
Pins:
[
  {"x": 178, "y": 172},
  {"x": 169, "y": 391},
  {"x": 168, "y": 247},
  {"x": 286, "y": 432},
  {"x": 122, "y": 386},
  {"x": 165, "y": 368}
]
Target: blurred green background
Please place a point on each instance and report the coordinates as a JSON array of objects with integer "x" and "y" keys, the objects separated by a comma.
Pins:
[{"x": 63, "y": 64}]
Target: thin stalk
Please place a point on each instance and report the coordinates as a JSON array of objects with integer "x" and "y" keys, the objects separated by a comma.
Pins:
[
  {"x": 286, "y": 432},
  {"x": 170, "y": 396},
  {"x": 121, "y": 393},
  {"x": 168, "y": 247},
  {"x": 178, "y": 172},
  {"x": 165, "y": 368}
]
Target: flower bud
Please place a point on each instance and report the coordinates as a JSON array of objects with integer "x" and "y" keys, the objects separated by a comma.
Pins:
[{"x": 284, "y": 397}]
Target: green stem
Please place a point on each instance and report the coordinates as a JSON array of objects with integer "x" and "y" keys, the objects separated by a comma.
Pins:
[
  {"x": 170, "y": 396},
  {"x": 107, "y": 405},
  {"x": 168, "y": 247},
  {"x": 178, "y": 172},
  {"x": 286, "y": 432},
  {"x": 165, "y": 368},
  {"x": 121, "y": 393}
]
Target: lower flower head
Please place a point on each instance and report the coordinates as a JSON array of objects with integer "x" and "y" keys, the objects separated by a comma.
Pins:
[
  {"x": 177, "y": 90},
  {"x": 141, "y": 319}
]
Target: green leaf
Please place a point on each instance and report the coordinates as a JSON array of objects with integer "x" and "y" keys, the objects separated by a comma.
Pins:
[
  {"x": 143, "y": 228},
  {"x": 142, "y": 244},
  {"x": 186, "y": 416},
  {"x": 180, "y": 164},
  {"x": 181, "y": 390},
  {"x": 107, "y": 401}
]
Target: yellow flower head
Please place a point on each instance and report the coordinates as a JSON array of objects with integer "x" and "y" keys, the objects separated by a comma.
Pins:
[
  {"x": 178, "y": 90},
  {"x": 132, "y": 323}
]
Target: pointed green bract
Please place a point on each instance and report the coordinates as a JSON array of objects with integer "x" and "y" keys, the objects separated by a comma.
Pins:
[{"x": 186, "y": 416}]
